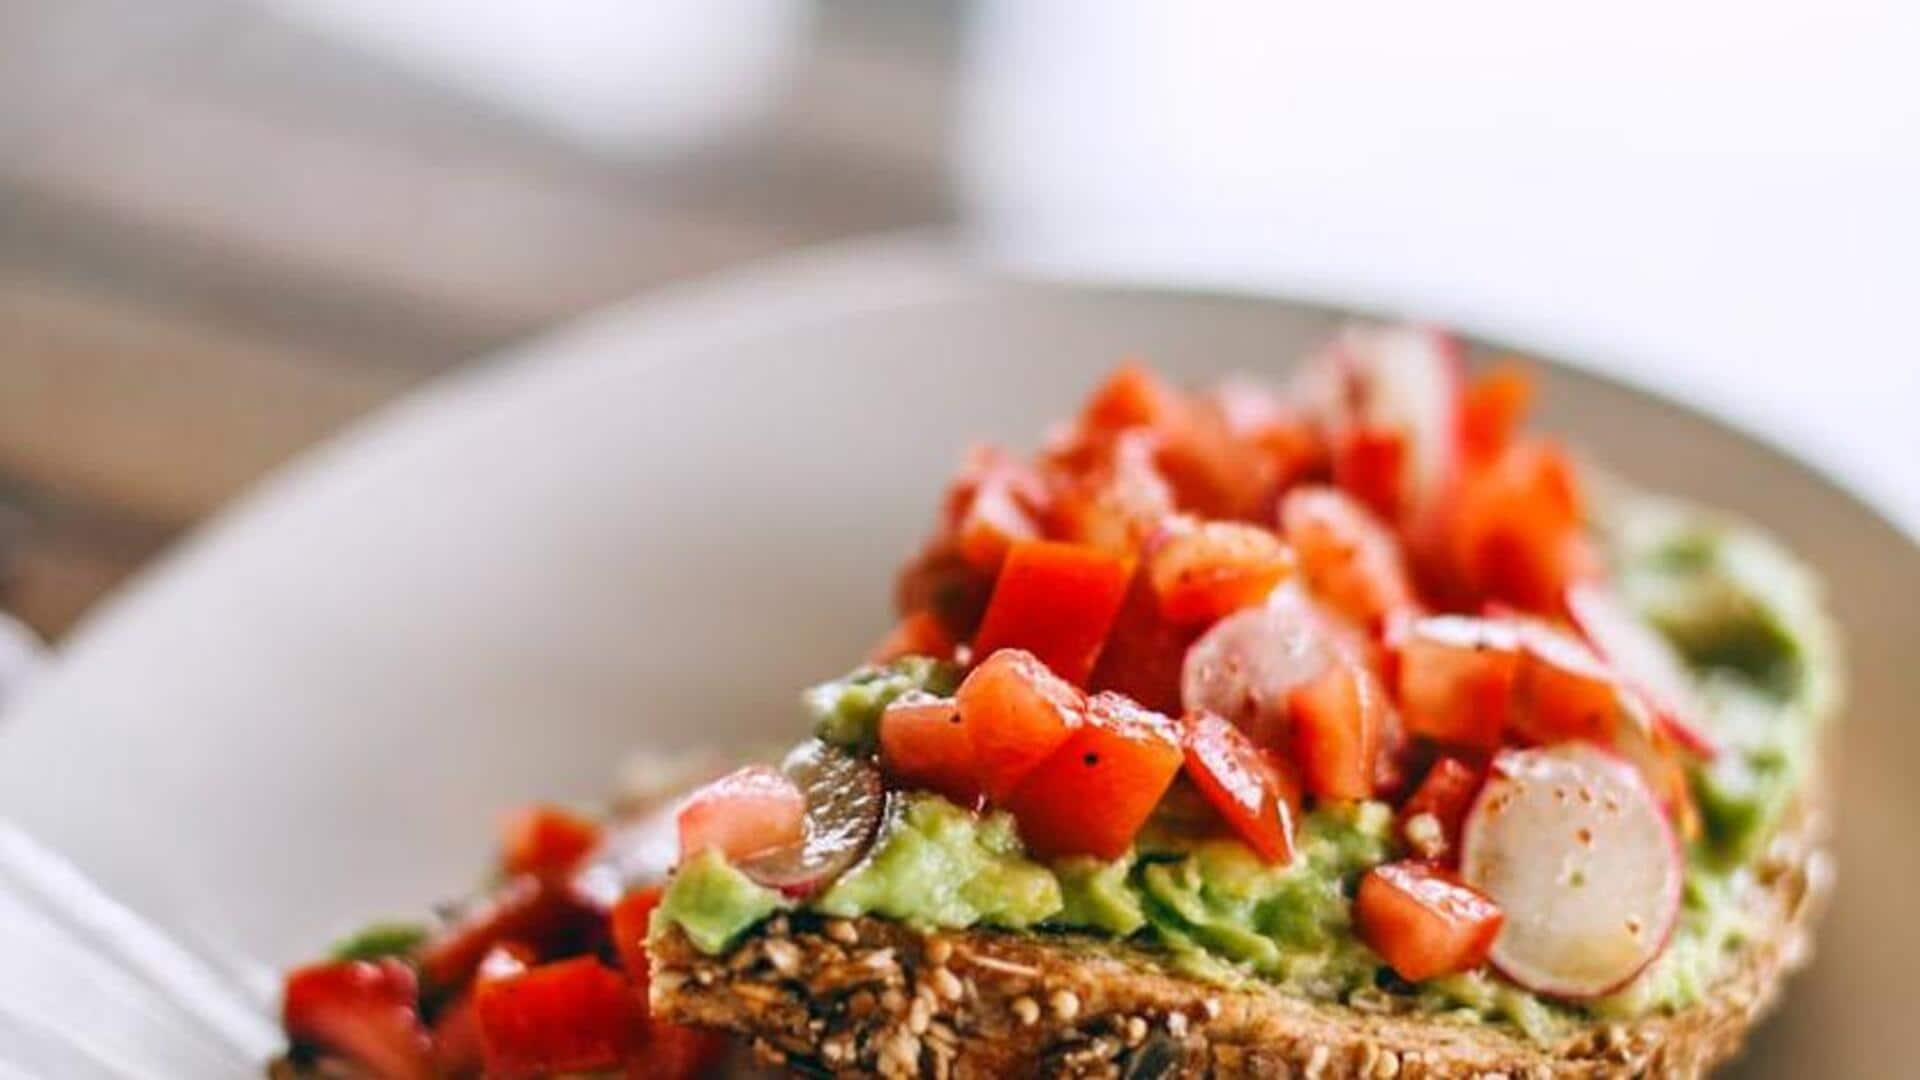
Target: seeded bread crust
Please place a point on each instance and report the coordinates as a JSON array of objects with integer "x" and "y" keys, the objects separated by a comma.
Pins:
[{"x": 867, "y": 997}]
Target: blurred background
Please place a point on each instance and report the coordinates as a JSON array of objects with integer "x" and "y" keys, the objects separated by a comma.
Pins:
[{"x": 228, "y": 227}]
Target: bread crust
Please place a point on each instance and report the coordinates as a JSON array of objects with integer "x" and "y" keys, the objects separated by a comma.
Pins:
[{"x": 868, "y": 997}]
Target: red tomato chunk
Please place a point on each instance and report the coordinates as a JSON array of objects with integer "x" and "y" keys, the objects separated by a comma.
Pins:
[
  {"x": 1456, "y": 678},
  {"x": 1091, "y": 796},
  {"x": 540, "y": 912},
  {"x": 560, "y": 1017},
  {"x": 1202, "y": 572},
  {"x": 1015, "y": 712},
  {"x": 924, "y": 744},
  {"x": 1338, "y": 722},
  {"x": 1445, "y": 794},
  {"x": 545, "y": 840},
  {"x": 630, "y": 921},
  {"x": 364, "y": 1010},
  {"x": 1244, "y": 784},
  {"x": 1056, "y": 601},
  {"x": 1144, "y": 652},
  {"x": 1424, "y": 923},
  {"x": 1349, "y": 558}
]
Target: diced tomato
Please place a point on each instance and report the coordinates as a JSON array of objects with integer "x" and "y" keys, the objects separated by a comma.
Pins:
[
  {"x": 1207, "y": 570},
  {"x": 1370, "y": 465},
  {"x": 1337, "y": 721},
  {"x": 992, "y": 524},
  {"x": 630, "y": 921},
  {"x": 668, "y": 1051},
  {"x": 920, "y": 633},
  {"x": 1348, "y": 557},
  {"x": 1564, "y": 691},
  {"x": 542, "y": 912},
  {"x": 545, "y": 840},
  {"x": 1144, "y": 651},
  {"x": 1457, "y": 676},
  {"x": 1446, "y": 793},
  {"x": 456, "y": 1039},
  {"x": 573, "y": 1015},
  {"x": 989, "y": 467},
  {"x": 1212, "y": 473},
  {"x": 677, "y": 1052},
  {"x": 1492, "y": 409},
  {"x": 1246, "y": 786},
  {"x": 1091, "y": 796},
  {"x": 1133, "y": 396},
  {"x": 1423, "y": 922},
  {"x": 751, "y": 810},
  {"x": 924, "y": 744},
  {"x": 1056, "y": 601},
  {"x": 1108, "y": 492},
  {"x": 1517, "y": 531},
  {"x": 365, "y": 1010},
  {"x": 994, "y": 500},
  {"x": 1276, "y": 430},
  {"x": 1015, "y": 713}
]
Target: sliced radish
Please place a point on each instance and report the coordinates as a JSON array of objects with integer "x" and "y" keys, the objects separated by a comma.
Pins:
[
  {"x": 1249, "y": 662},
  {"x": 1572, "y": 846},
  {"x": 1644, "y": 659},
  {"x": 1394, "y": 387},
  {"x": 845, "y": 804}
]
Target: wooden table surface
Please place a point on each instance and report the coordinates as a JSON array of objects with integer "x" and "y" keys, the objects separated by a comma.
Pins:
[{"x": 222, "y": 236}]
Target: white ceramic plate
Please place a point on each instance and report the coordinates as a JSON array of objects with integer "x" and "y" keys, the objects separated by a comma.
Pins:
[{"x": 654, "y": 528}]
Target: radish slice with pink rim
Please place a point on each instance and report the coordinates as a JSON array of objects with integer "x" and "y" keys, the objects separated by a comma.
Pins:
[
  {"x": 1572, "y": 846},
  {"x": 1644, "y": 659},
  {"x": 1244, "y": 667}
]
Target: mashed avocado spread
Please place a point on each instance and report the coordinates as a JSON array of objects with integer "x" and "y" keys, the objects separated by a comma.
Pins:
[{"x": 1740, "y": 611}]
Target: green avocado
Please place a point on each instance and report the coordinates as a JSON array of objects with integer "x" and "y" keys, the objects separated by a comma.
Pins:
[
  {"x": 937, "y": 865},
  {"x": 713, "y": 903},
  {"x": 376, "y": 940},
  {"x": 846, "y": 711}
]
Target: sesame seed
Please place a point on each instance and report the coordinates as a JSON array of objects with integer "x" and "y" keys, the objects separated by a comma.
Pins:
[
  {"x": 1004, "y": 967},
  {"x": 1065, "y": 1005},
  {"x": 842, "y": 931},
  {"x": 1211, "y": 1007},
  {"x": 1317, "y": 1062},
  {"x": 947, "y": 984},
  {"x": 1026, "y": 1010},
  {"x": 919, "y": 1016},
  {"x": 783, "y": 956},
  {"x": 1136, "y": 1031},
  {"x": 1177, "y": 1025}
]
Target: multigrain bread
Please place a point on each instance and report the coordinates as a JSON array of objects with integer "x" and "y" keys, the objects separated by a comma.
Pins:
[{"x": 866, "y": 997}]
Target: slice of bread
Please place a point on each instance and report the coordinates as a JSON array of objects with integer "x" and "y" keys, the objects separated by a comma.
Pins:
[{"x": 870, "y": 997}]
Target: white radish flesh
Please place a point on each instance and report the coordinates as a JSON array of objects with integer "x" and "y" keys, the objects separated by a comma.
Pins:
[
  {"x": 1244, "y": 667},
  {"x": 1572, "y": 846}
]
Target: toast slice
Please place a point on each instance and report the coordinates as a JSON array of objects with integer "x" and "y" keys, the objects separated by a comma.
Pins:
[{"x": 867, "y": 997}]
